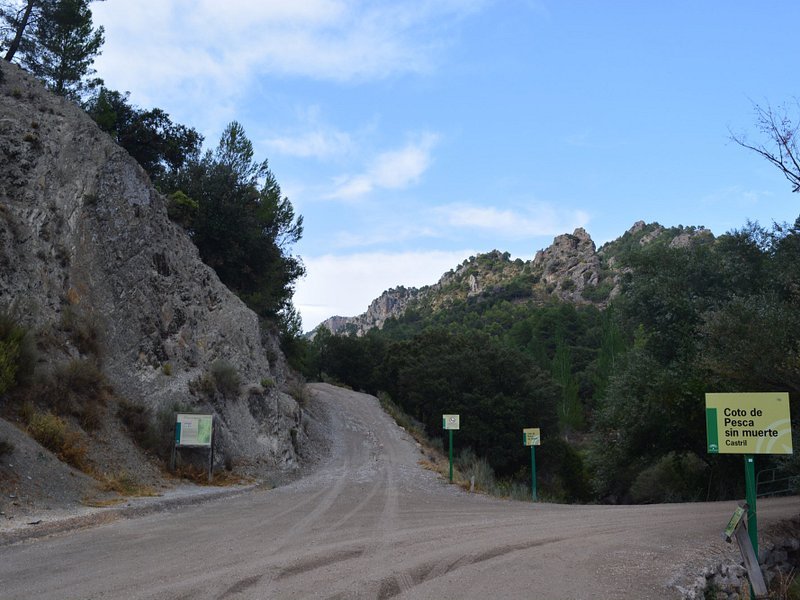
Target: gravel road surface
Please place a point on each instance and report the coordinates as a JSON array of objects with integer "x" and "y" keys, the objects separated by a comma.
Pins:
[{"x": 371, "y": 523}]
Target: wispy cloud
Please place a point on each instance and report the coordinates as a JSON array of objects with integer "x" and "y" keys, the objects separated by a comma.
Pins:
[
  {"x": 535, "y": 219},
  {"x": 339, "y": 40},
  {"x": 320, "y": 143},
  {"x": 394, "y": 169}
]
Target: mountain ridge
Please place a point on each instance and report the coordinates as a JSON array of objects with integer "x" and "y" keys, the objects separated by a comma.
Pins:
[{"x": 572, "y": 269}]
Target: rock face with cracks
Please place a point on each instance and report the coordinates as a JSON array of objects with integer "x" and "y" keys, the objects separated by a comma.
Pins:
[{"x": 86, "y": 244}]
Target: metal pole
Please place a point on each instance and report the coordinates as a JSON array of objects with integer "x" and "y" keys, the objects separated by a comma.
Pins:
[
  {"x": 533, "y": 473},
  {"x": 750, "y": 491},
  {"x": 451, "y": 455}
]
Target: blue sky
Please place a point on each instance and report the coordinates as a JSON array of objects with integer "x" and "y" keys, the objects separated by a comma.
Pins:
[{"x": 413, "y": 134}]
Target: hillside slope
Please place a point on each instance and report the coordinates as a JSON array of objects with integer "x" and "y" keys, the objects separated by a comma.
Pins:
[{"x": 93, "y": 269}]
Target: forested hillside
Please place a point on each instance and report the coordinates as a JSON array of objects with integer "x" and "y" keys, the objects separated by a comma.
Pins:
[{"x": 617, "y": 386}]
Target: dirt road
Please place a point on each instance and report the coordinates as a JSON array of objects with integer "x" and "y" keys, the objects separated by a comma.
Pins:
[{"x": 370, "y": 523}]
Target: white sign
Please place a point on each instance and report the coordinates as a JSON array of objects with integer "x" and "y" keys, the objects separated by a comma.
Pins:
[{"x": 450, "y": 422}]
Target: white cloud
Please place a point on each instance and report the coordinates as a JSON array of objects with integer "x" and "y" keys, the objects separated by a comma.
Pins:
[
  {"x": 345, "y": 285},
  {"x": 536, "y": 219},
  {"x": 395, "y": 169},
  {"x": 155, "y": 43},
  {"x": 320, "y": 143}
]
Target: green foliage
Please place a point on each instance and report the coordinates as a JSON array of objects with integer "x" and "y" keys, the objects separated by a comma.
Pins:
[
  {"x": 62, "y": 46},
  {"x": 598, "y": 293},
  {"x": 471, "y": 466},
  {"x": 299, "y": 392},
  {"x": 672, "y": 478},
  {"x": 243, "y": 226},
  {"x": 153, "y": 432},
  {"x": 158, "y": 145},
  {"x": 494, "y": 387},
  {"x": 226, "y": 378},
  {"x": 79, "y": 389},
  {"x": 83, "y": 331},
  {"x": 11, "y": 337},
  {"x": 182, "y": 209}
]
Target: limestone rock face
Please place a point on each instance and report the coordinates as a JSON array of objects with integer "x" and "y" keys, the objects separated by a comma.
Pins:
[
  {"x": 570, "y": 263},
  {"x": 84, "y": 237},
  {"x": 390, "y": 303}
]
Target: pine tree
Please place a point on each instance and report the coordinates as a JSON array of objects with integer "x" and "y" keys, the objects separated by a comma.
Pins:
[{"x": 63, "y": 46}]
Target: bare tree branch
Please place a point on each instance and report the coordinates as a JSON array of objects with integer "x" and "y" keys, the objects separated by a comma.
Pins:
[{"x": 781, "y": 132}]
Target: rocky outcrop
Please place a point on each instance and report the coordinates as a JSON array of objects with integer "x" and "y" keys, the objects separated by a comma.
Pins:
[
  {"x": 570, "y": 264},
  {"x": 85, "y": 242},
  {"x": 390, "y": 303}
]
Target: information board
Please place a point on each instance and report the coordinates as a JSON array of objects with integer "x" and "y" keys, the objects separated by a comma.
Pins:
[
  {"x": 193, "y": 430},
  {"x": 748, "y": 423},
  {"x": 450, "y": 422},
  {"x": 531, "y": 436}
]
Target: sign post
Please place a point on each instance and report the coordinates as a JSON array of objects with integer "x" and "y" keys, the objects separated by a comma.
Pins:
[
  {"x": 532, "y": 437},
  {"x": 451, "y": 423},
  {"x": 749, "y": 423},
  {"x": 194, "y": 431}
]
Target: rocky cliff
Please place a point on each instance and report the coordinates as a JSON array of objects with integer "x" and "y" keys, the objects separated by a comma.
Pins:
[
  {"x": 86, "y": 246},
  {"x": 571, "y": 269}
]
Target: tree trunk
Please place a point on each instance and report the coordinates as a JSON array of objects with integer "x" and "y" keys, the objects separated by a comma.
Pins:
[{"x": 12, "y": 49}]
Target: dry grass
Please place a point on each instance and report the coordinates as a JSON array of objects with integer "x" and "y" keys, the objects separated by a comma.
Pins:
[
  {"x": 125, "y": 485},
  {"x": 199, "y": 475},
  {"x": 94, "y": 502},
  {"x": 53, "y": 433}
]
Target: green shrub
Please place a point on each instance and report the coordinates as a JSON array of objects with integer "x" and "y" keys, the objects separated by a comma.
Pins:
[
  {"x": 153, "y": 433},
  {"x": 673, "y": 478},
  {"x": 166, "y": 368},
  {"x": 80, "y": 389},
  {"x": 17, "y": 354},
  {"x": 182, "y": 209},
  {"x": 226, "y": 378},
  {"x": 48, "y": 429},
  {"x": 299, "y": 392},
  {"x": 83, "y": 332},
  {"x": 598, "y": 293},
  {"x": 469, "y": 465}
]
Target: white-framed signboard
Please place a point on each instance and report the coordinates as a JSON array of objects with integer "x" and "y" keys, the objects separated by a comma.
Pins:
[{"x": 193, "y": 430}]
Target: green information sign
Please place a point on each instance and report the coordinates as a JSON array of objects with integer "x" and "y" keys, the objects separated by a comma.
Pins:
[
  {"x": 748, "y": 423},
  {"x": 193, "y": 430}
]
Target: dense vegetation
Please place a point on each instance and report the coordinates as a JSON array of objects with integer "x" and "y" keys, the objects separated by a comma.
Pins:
[{"x": 619, "y": 392}]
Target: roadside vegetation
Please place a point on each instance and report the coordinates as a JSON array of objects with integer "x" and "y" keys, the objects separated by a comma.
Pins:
[{"x": 618, "y": 392}]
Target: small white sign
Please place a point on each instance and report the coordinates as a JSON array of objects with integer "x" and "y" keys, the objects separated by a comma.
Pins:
[{"x": 450, "y": 422}]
